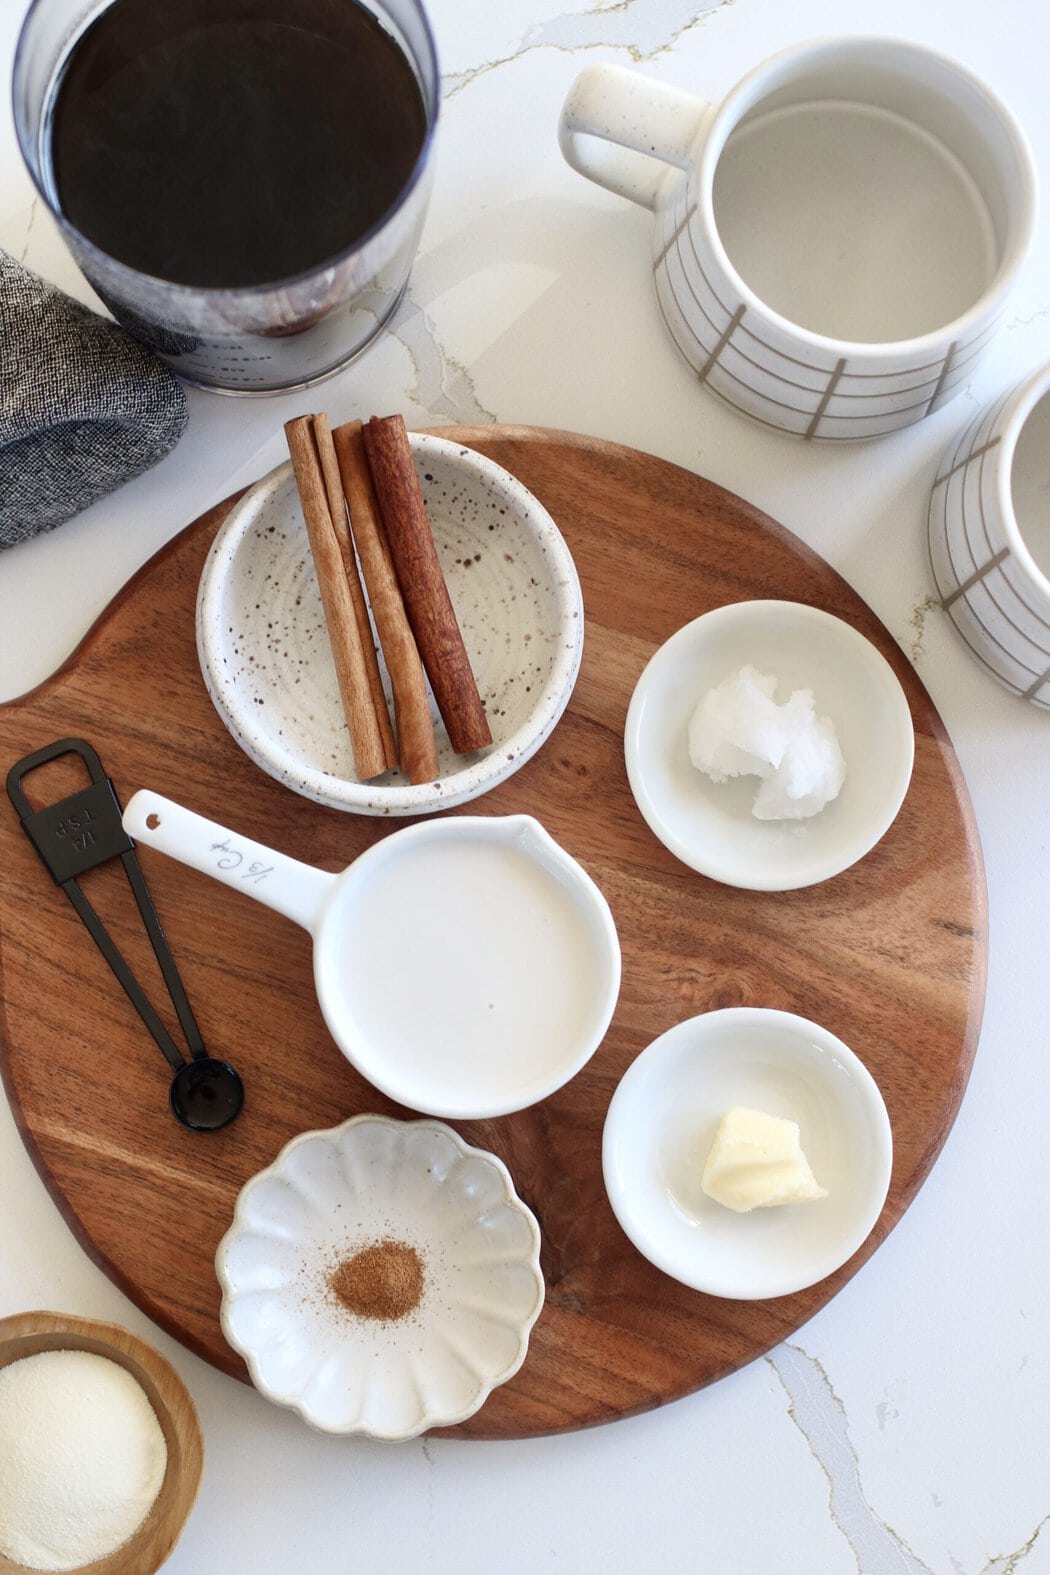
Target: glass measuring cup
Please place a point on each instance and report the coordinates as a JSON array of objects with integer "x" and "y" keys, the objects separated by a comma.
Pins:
[{"x": 236, "y": 336}]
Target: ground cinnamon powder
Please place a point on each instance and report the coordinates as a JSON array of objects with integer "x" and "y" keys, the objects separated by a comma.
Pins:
[{"x": 383, "y": 1281}]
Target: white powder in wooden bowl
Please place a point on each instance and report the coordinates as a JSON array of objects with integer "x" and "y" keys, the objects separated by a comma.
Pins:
[{"x": 82, "y": 1458}]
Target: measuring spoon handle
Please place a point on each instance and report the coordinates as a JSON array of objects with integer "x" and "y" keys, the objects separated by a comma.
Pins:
[{"x": 296, "y": 890}]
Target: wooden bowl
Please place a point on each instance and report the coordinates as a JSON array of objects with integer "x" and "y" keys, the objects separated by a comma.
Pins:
[{"x": 26, "y": 1334}]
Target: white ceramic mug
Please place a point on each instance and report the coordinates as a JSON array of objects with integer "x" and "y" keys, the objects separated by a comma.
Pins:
[
  {"x": 989, "y": 537},
  {"x": 834, "y": 243}
]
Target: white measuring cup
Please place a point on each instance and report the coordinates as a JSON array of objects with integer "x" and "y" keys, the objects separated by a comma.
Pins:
[{"x": 467, "y": 967}]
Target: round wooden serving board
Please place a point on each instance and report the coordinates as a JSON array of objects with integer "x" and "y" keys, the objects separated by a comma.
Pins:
[{"x": 890, "y": 955}]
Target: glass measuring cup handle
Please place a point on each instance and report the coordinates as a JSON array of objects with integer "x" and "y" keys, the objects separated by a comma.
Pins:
[{"x": 296, "y": 890}]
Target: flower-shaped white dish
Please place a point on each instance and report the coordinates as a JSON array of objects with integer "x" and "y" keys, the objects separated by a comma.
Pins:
[
  {"x": 264, "y": 652},
  {"x": 404, "y": 1188},
  {"x": 661, "y": 1124},
  {"x": 709, "y": 825}
]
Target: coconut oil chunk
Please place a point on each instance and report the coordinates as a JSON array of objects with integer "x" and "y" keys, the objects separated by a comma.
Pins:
[
  {"x": 739, "y": 729},
  {"x": 756, "y": 1162}
]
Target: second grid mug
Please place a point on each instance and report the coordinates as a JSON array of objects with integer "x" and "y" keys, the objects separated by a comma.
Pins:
[{"x": 835, "y": 243}]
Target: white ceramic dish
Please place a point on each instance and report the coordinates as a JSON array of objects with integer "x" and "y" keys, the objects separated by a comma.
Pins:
[
  {"x": 709, "y": 825},
  {"x": 263, "y": 645},
  {"x": 661, "y": 1124},
  {"x": 333, "y": 1193}
]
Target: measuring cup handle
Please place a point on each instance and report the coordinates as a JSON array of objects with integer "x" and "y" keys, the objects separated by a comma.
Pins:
[
  {"x": 623, "y": 131},
  {"x": 297, "y": 890}
]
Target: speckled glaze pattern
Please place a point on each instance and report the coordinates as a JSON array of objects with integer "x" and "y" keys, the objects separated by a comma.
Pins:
[
  {"x": 265, "y": 656},
  {"x": 330, "y": 1194},
  {"x": 775, "y": 366}
]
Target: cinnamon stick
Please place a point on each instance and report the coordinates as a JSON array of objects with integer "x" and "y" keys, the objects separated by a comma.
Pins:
[
  {"x": 365, "y": 737},
  {"x": 337, "y": 510},
  {"x": 415, "y": 728},
  {"x": 427, "y": 602}
]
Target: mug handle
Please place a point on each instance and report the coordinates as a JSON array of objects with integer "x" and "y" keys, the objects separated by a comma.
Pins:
[{"x": 622, "y": 130}]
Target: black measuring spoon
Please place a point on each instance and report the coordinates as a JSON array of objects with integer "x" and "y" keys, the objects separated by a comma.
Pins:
[{"x": 75, "y": 835}]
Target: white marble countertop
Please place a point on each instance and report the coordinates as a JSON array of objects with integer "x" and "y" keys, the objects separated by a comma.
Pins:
[{"x": 902, "y": 1428}]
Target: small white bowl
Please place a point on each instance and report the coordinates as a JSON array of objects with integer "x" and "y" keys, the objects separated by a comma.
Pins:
[
  {"x": 263, "y": 644},
  {"x": 333, "y": 1193},
  {"x": 661, "y": 1124},
  {"x": 709, "y": 825}
]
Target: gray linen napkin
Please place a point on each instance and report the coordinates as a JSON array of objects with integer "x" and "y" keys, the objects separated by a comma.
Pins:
[{"x": 83, "y": 406}]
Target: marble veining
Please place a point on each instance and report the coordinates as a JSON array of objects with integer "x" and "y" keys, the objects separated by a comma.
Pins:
[
  {"x": 820, "y": 1417},
  {"x": 642, "y": 28},
  {"x": 905, "y": 1435},
  {"x": 442, "y": 386}
]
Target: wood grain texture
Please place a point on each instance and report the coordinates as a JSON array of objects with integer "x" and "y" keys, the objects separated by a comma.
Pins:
[{"x": 890, "y": 955}]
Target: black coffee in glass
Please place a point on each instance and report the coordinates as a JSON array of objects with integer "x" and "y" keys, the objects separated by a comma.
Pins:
[{"x": 224, "y": 144}]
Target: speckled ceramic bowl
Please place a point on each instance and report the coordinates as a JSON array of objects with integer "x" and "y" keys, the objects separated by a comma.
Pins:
[
  {"x": 363, "y": 1357},
  {"x": 264, "y": 652}
]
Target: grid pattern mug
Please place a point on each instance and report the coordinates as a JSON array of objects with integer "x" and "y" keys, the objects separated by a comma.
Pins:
[
  {"x": 835, "y": 243},
  {"x": 989, "y": 537}
]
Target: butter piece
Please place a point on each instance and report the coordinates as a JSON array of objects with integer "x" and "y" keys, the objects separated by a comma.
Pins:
[{"x": 756, "y": 1162}]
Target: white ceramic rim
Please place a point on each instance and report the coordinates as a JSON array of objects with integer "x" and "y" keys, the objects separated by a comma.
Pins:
[
  {"x": 382, "y": 1068},
  {"x": 764, "y": 79},
  {"x": 1012, "y": 423},
  {"x": 333, "y": 1134},
  {"x": 713, "y": 868},
  {"x": 874, "y": 1109},
  {"x": 480, "y": 773}
]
